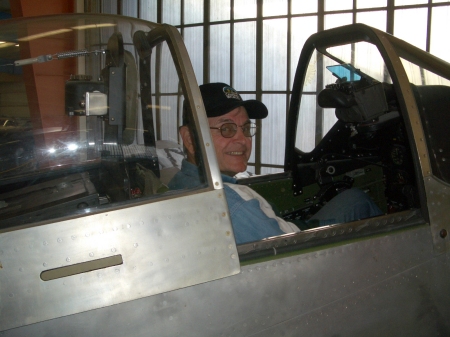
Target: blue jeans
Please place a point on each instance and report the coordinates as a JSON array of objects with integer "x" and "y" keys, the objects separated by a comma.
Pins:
[{"x": 350, "y": 205}]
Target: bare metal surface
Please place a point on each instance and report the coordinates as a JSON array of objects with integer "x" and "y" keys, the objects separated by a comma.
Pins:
[
  {"x": 164, "y": 246},
  {"x": 331, "y": 233},
  {"x": 392, "y": 285},
  {"x": 438, "y": 196},
  {"x": 410, "y": 104}
]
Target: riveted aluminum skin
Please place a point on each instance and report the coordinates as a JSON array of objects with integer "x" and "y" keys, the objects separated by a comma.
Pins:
[
  {"x": 164, "y": 246},
  {"x": 438, "y": 194},
  {"x": 345, "y": 290}
]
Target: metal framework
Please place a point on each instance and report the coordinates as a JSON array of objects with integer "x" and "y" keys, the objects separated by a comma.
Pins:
[{"x": 135, "y": 9}]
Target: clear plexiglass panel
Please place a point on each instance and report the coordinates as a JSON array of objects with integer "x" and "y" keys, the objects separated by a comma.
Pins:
[
  {"x": 420, "y": 76},
  {"x": 314, "y": 121},
  {"x": 364, "y": 54},
  {"x": 148, "y": 10},
  {"x": 88, "y": 118},
  {"x": 302, "y": 29},
  {"x": 193, "y": 38},
  {"x": 170, "y": 83},
  {"x": 306, "y": 129}
]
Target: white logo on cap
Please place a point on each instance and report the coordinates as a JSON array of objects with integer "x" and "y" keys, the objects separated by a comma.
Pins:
[{"x": 231, "y": 93}]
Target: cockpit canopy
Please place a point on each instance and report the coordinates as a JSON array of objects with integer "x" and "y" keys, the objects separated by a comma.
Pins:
[{"x": 91, "y": 114}]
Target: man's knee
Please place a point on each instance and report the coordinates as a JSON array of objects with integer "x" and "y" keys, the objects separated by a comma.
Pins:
[
  {"x": 349, "y": 205},
  {"x": 360, "y": 202}
]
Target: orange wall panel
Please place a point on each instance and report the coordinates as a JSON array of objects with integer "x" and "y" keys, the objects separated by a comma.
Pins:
[
  {"x": 45, "y": 82},
  {"x": 26, "y": 8}
]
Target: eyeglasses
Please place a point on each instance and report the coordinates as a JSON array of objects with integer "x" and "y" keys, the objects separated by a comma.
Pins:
[{"x": 228, "y": 130}]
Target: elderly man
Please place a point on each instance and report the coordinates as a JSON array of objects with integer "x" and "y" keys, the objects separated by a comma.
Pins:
[{"x": 252, "y": 217}]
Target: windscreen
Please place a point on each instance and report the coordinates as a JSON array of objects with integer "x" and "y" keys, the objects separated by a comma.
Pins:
[
  {"x": 345, "y": 63},
  {"x": 89, "y": 117}
]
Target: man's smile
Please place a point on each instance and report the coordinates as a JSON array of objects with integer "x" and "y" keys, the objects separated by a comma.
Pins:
[{"x": 235, "y": 153}]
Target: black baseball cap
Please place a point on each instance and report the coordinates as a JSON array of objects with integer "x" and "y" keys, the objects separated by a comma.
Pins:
[{"x": 220, "y": 98}]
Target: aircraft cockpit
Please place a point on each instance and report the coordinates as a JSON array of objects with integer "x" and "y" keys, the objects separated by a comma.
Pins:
[
  {"x": 353, "y": 123},
  {"x": 89, "y": 140},
  {"x": 93, "y": 242}
]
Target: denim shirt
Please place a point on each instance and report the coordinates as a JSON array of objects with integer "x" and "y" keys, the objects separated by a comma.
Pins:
[{"x": 248, "y": 220}]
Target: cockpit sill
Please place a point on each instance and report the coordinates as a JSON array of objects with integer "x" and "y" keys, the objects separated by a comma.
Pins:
[
  {"x": 331, "y": 234},
  {"x": 27, "y": 220}
]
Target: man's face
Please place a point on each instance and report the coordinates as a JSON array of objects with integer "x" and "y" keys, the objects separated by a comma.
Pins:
[{"x": 232, "y": 153}]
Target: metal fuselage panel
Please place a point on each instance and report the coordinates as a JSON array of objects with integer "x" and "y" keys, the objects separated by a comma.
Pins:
[
  {"x": 164, "y": 245},
  {"x": 389, "y": 285},
  {"x": 438, "y": 194}
]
